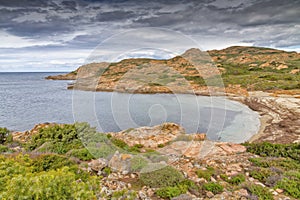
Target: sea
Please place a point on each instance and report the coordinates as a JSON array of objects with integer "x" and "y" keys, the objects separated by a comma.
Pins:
[{"x": 27, "y": 99}]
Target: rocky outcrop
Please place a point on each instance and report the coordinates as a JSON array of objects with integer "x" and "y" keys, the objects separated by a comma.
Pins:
[
  {"x": 280, "y": 116},
  {"x": 201, "y": 149},
  {"x": 150, "y": 137},
  {"x": 120, "y": 162}
]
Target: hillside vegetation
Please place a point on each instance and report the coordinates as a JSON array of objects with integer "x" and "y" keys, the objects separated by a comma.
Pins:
[
  {"x": 44, "y": 167},
  {"x": 245, "y": 68}
]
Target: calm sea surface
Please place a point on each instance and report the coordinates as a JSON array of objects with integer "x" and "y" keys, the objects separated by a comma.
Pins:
[{"x": 27, "y": 99}]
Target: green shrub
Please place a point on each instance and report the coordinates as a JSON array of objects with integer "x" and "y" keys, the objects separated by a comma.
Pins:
[
  {"x": 45, "y": 177},
  {"x": 206, "y": 174},
  {"x": 82, "y": 154},
  {"x": 180, "y": 188},
  {"x": 213, "y": 187},
  {"x": 259, "y": 192},
  {"x": 261, "y": 174},
  {"x": 290, "y": 184},
  {"x": 282, "y": 163},
  {"x": 48, "y": 162},
  {"x": 136, "y": 148},
  {"x": 275, "y": 150},
  {"x": 124, "y": 194},
  {"x": 137, "y": 163},
  {"x": 237, "y": 179},
  {"x": 62, "y": 138},
  {"x": 60, "y": 184},
  {"x": 107, "y": 171},
  {"x": 170, "y": 192},
  {"x": 4, "y": 133},
  {"x": 4, "y": 149},
  {"x": 119, "y": 143},
  {"x": 164, "y": 177}
]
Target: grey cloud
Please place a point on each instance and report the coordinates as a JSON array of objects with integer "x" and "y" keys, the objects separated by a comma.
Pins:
[
  {"x": 82, "y": 24},
  {"x": 114, "y": 15}
]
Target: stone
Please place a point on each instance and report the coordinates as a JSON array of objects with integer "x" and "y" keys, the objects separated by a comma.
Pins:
[
  {"x": 231, "y": 148},
  {"x": 261, "y": 184},
  {"x": 132, "y": 176},
  {"x": 142, "y": 195},
  {"x": 183, "y": 197},
  {"x": 150, "y": 137},
  {"x": 198, "y": 136},
  {"x": 213, "y": 179},
  {"x": 150, "y": 192},
  {"x": 210, "y": 194},
  {"x": 97, "y": 165},
  {"x": 120, "y": 162},
  {"x": 279, "y": 190}
]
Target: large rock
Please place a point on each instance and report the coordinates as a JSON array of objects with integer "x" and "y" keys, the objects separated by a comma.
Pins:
[
  {"x": 97, "y": 165},
  {"x": 120, "y": 162},
  {"x": 150, "y": 137}
]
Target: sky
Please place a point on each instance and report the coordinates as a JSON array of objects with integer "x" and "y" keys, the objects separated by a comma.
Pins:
[{"x": 60, "y": 35}]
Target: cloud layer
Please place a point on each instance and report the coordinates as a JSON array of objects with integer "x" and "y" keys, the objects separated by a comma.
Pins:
[{"x": 59, "y": 35}]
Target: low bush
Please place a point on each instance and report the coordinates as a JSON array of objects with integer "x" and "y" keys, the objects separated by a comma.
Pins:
[
  {"x": 275, "y": 150},
  {"x": 206, "y": 173},
  {"x": 236, "y": 179},
  {"x": 259, "y": 192},
  {"x": 82, "y": 154},
  {"x": 213, "y": 187},
  {"x": 45, "y": 177},
  {"x": 290, "y": 184},
  {"x": 61, "y": 138},
  {"x": 137, "y": 163},
  {"x": 164, "y": 177},
  {"x": 4, "y": 149},
  {"x": 180, "y": 188},
  {"x": 261, "y": 174},
  {"x": 48, "y": 162},
  {"x": 170, "y": 192},
  {"x": 119, "y": 143},
  {"x": 4, "y": 133}
]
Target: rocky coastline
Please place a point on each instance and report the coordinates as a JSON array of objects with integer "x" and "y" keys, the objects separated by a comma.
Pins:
[{"x": 168, "y": 145}]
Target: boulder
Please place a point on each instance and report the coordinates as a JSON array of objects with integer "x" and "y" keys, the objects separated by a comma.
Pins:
[
  {"x": 97, "y": 165},
  {"x": 120, "y": 162}
]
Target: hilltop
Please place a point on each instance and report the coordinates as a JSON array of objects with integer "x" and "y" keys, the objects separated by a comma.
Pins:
[{"x": 240, "y": 69}]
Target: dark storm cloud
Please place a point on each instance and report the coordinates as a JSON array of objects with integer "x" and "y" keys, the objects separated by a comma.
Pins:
[
  {"x": 82, "y": 24},
  {"x": 114, "y": 15}
]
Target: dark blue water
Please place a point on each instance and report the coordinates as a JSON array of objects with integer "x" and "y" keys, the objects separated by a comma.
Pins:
[{"x": 27, "y": 99}]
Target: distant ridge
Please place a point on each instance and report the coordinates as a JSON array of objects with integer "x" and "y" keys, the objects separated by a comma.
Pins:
[{"x": 242, "y": 68}]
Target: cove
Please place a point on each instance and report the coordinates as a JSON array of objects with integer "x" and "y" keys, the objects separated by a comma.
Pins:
[{"x": 221, "y": 119}]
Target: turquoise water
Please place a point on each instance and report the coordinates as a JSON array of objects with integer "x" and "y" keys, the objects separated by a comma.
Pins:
[{"x": 27, "y": 99}]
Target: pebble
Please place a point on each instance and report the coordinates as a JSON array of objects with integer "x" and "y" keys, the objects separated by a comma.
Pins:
[
  {"x": 209, "y": 194},
  {"x": 279, "y": 190},
  {"x": 142, "y": 195}
]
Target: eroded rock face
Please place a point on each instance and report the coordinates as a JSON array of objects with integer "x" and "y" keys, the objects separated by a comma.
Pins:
[{"x": 150, "y": 137}]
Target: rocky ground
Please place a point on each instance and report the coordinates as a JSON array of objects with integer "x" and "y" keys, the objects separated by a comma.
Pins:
[
  {"x": 280, "y": 116},
  {"x": 191, "y": 154}
]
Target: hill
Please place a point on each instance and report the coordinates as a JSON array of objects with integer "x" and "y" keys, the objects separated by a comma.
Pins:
[{"x": 239, "y": 69}]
